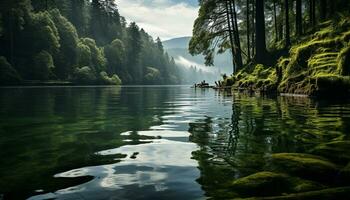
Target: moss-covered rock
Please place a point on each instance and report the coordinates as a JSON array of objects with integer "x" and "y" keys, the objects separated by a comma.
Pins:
[
  {"x": 344, "y": 175},
  {"x": 316, "y": 65},
  {"x": 300, "y": 185},
  {"x": 270, "y": 183},
  {"x": 262, "y": 184},
  {"x": 340, "y": 193},
  {"x": 338, "y": 151},
  {"x": 344, "y": 60},
  {"x": 305, "y": 165},
  {"x": 257, "y": 78}
]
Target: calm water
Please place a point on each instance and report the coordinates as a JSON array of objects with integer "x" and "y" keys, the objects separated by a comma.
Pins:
[{"x": 149, "y": 142}]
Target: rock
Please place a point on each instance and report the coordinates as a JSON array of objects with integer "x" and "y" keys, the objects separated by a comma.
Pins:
[
  {"x": 300, "y": 185},
  {"x": 305, "y": 165},
  {"x": 340, "y": 193},
  {"x": 270, "y": 183},
  {"x": 337, "y": 151},
  {"x": 344, "y": 175},
  {"x": 262, "y": 184}
]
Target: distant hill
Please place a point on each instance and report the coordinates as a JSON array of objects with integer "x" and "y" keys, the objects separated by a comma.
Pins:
[
  {"x": 175, "y": 43},
  {"x": 178, "y": 48}
]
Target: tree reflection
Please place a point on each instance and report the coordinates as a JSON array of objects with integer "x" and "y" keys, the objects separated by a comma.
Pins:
[{"x": 258, "y": 127}]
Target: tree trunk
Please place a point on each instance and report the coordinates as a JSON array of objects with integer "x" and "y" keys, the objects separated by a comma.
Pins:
[
  {"x": 11, "y": 27},
  {"x": 298, "y": 19},
  {"x": 260, "y": 32},
  {"x": 310, "y": 12},
  {"x": 275, "y": 20},
  {"x": 234, "y": 64},
  {"x": 248, "y": 30},
  {"x": 331, "y": 8},
  {"x": 253, "y": 29},
  {"x": 314, "y": 13},
  {"x": 323, "y": 10},
  {"x": 281, "y": 25},
  {"x": 287, "y": 37},
  {"x": 236, "y": 34}
]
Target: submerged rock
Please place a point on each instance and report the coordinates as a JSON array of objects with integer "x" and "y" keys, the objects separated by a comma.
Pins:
[
  {"x": 344, "y": 175},
  {"x": 340, "y": 193},
  {"x": 270, "y": 183},
  {"x": 262, "y": 184},
  {"x": 305, "y": 165},
  {"x": 338, "y": 151}
]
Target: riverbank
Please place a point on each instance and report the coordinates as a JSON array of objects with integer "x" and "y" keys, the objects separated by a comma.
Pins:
[{"x": 317, "y": 65}]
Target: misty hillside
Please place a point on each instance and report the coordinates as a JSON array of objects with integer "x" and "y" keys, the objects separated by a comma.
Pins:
[
  {"x": 177, "y": 43},
  {"x": 178, "y": 48}
]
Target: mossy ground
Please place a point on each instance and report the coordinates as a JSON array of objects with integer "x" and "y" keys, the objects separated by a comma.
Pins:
[{"x": 317, "y": 65}]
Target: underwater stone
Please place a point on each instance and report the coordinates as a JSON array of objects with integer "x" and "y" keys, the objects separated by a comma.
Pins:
[
  {"x": 340, "y": 193},
  {"x": 305, "y": 165},
  {"x": 338, "y": 151},
  {"x": 262, "y": 184}
]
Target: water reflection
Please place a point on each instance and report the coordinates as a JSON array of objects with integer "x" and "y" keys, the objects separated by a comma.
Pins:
[
  {"x": 150, "y": 142},
  {"x": 258, "y": 127}
]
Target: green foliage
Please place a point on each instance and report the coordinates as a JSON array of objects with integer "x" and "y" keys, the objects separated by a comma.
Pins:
[
  {"x": 318, "y": 65},
  {"x": 116, "y": 56},
  {"x": 257, "y": 77},
  {"x": 43, "y": 66},
  {"x": 152, "y": 76},
  {"x": 84, "y": 75},
  {"x": 42, "y": 29},
  {"x": 96, "y": 59},
  {"x": 8, "y": 75},
  {"x": 113, "y": 47},
  {"x": 113, "y": 80},
  {"x": 67, "y": 56},
  {"x": 84, "y": 55}
]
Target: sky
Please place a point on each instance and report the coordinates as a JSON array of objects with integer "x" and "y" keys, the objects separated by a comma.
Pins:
[{"x": 166, "y": 19}]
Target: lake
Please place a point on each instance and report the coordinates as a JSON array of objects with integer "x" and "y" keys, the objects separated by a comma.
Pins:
[{"x": 154, "y": 142}]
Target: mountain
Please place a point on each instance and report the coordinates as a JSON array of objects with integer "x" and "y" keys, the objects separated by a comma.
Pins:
[
  {"x": 178, "y": 49},
  {"x": 177, "y": 43}
]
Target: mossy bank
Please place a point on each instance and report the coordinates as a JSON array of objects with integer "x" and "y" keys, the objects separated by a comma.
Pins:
[{"x": 316, "y": 65}]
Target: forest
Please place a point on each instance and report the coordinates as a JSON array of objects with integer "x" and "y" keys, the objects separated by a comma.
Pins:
[
  {"x": 81, "y": 42},
  {"x": 285, "y": 46}
]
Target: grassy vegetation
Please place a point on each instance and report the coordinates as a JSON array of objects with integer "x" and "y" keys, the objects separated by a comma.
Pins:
[{"x": 318, "y": 64}]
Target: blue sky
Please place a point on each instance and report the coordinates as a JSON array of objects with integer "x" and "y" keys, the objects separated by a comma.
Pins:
[{"x": 161, "y": 18}]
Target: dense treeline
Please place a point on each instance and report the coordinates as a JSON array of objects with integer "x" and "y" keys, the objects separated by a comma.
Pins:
[
  {"x": 264, "y": 31},
  {"x": 83, "y": 41}
]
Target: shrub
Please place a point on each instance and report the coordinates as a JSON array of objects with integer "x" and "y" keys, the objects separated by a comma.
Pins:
[
  {"x": 116, "y": 55},
  {"x": 152, "y": 75},
  {"x": 106, "y": 80},
  {"x": 8, "y": 75},
  {"x": 97, "y": 58},
  {"x": 84, "y": 75},
  {"x": 43, "y": 66}
]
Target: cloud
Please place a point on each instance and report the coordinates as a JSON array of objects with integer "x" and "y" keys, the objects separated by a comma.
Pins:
[{"x": 160, "y": 18}]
